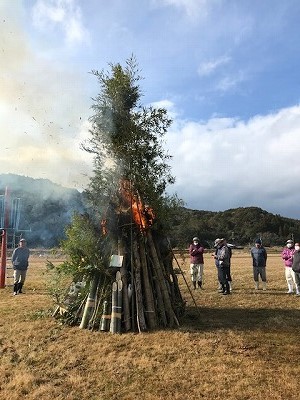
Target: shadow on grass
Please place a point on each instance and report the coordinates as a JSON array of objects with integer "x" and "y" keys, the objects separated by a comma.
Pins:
[{"x": 207, "y": 319}]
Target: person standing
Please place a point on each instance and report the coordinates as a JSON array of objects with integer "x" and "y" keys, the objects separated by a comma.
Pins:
[
  {"x": 259, "y": 261},
  {"x": 296, "y": 264},
  {"x": 222, "y": 259},
  {"x": 196, "y": 251},
  {"x": 229, "y": 269},
  {"x": 287, "y": 256},
  {"x": 220, "y": 288},
  {"x": 20, "y": 258}
]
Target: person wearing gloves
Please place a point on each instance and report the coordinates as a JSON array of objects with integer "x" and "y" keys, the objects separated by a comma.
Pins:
[
  {"x": 196, "y": 251},
  {"x": 259, "y": 261},
  {"x": 287, "y": 256}
]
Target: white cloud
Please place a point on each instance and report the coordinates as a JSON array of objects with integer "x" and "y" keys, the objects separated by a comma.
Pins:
[
  {"x": 168, "y": 105},
  {"x": 64, "y": 13},
  {"x": 225, "y": 162},
  {"x": 209, "y": 67},
  {"x": 231, "y": 81}
]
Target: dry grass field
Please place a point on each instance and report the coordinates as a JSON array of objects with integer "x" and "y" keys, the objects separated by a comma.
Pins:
[{"x": 242, "y": 346}]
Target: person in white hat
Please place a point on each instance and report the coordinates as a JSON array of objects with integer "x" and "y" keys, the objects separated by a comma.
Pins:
[
  {"x": 287, "y": 256},
  {"x": 196, "y": 251}
]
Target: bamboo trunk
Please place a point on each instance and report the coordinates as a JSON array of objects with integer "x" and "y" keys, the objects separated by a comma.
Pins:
[
  {"x": 172, "y": 319},
  {"x": 90, "y": 303},
  {"x": 167, "y": 270},
  {"x": 158, "y": 293},
  {"x": 119, "y": 299},
  {"x": 150, "y": 309},
  {"x": 141, "y": 323},
  {"x": 114, "y": 308},
  {"x": 105, "y": 318},
  {"x": 125, "y": 298}
]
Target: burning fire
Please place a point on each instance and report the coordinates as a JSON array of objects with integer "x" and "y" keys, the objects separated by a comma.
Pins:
[
  {"x": 103, "y": 227},
  {"x": 143, "y": 215}
]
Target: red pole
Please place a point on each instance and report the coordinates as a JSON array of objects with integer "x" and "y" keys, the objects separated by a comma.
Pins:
[
  {"x": 4, "y": 240},
  {"x": 3, "y": 259}
]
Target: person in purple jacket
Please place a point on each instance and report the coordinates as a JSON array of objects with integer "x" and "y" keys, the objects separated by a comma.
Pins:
[
  {"x": 287, "y": 256},
  {"x": 196, "y": 251}
]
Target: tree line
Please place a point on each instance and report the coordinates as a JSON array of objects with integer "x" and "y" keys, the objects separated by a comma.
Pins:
[
  {"x": 240, "y": 226},
  {"x": 46, "y": 210}
]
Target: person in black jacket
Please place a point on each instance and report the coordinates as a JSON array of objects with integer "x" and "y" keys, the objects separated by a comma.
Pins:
[
  {"x": 296, "y": 265},
  {"x": 222, "y": 258},
  {"x": 259, "y": 261},
  {"x": 19, "y": 260}
]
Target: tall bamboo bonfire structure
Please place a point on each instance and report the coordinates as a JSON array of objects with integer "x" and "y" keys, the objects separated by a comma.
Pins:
[
  {"x": 135, "y": 288},
  {"x": 143, "y": 292}
]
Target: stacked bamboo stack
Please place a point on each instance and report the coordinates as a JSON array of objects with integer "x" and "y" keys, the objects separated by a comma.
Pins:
[
  {"x": 143, "y": 290},
  {"x": 145, "y": 294},
  {"x": 156, "y": 300}
]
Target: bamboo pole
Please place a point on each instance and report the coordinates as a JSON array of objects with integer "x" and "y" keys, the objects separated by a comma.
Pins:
[
  {"x": 150, "y": 309},
  {"x": 114, "y": 308},
  {"x": 162, "y": 317},
  {"x": 119, "y": 299},
  {"x": 167, "y": 268},
  {"x": 141, "y": 323},
  {"x": 125, "y": 296},
  {"x": 182, "y": 274},
  {"x": 105, "y": 318},
  {"x": 90, "y": 303},
  {"x": 161, "y": 279}
]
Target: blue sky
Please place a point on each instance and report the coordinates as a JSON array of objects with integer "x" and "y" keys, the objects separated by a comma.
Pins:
[{"x": 226, "y": 70}]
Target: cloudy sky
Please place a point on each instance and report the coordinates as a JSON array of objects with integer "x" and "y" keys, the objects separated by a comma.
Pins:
[{"x": 226, "y": 70}]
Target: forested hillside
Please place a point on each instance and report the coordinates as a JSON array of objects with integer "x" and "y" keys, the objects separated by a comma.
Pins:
[
  {"x": 46, "y": 209},
  {"x": 240, "y": 226}
]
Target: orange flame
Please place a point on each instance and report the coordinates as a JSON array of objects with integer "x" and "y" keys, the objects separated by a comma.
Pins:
[
  {"x": 103, "y": 227},
  {"x": 143, "y": 216}
]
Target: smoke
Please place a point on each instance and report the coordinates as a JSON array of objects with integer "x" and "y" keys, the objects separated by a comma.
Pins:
[
  {"x": 45, "y": 208},
  {"x": 43, "y": 110}
]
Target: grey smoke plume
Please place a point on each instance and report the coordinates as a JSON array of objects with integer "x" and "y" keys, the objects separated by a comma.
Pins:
[{"x": 45, "y": 208}]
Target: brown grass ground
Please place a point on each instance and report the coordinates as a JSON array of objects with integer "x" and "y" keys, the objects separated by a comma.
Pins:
[{"x": 242, "y": 346}]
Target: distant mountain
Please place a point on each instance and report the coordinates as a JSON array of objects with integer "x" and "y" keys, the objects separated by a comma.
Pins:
[
  {"x": 46, "y": 209},
  {"x": 240, "y": 226}
]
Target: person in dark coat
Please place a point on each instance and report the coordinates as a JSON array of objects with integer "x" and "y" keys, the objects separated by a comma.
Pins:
[
  {"x": 19, "y": 260},
  {"x": 259, "y": 262},
  {"x": 296, "y": 265},
  {"x": 222, "y": 260}
]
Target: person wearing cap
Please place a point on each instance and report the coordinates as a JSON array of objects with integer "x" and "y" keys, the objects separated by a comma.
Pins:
[
  {"x": 220, "y": 289},
  {"x": 222, "y": 261},
  {"x": 196, "y": 251},
  {"x": 287, "y": 256},
  {"x": 19, "y": 260},
  {"x": 259, "y": 262}
]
